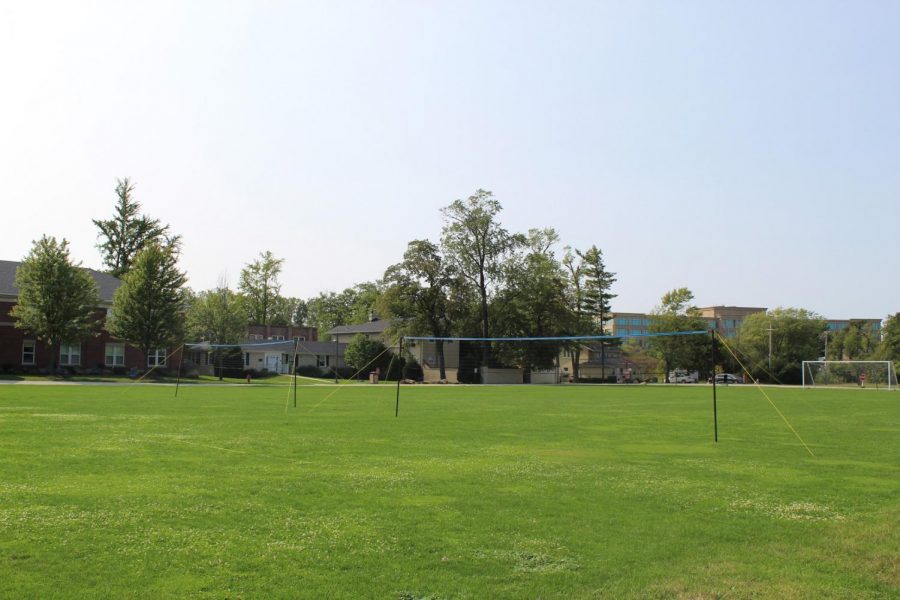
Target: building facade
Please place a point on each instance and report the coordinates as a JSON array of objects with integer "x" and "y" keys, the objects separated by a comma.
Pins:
[{"x": 22, "y": 352}]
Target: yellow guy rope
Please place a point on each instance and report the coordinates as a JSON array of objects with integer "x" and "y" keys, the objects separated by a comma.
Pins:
[
  {"x": 363, "y": 368},
  {"x": 763, "y": 392},
  {"x": 165, "y": 362}
]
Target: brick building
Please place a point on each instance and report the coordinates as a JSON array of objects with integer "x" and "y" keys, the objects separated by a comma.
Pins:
[{"x": 21, "y": 351}]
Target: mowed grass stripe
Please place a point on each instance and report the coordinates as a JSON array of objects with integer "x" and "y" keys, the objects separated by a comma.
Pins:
[{"x": 472, "y": 492}]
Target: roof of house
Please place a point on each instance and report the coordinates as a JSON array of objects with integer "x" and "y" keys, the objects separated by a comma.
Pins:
[
  {"x": 106, "y": 283},
  {"x": 367, "y": 327}
]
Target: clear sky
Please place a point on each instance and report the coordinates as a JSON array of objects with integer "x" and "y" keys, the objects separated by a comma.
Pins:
[{"x": 748, "y": 151}]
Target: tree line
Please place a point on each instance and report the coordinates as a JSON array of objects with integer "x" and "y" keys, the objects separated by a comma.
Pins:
[{"x": 477, "y": 280}]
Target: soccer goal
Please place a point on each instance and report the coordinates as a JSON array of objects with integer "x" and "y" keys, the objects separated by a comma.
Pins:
[{"x": 875, "y": 374}]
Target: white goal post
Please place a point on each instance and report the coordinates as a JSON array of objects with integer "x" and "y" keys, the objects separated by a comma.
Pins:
[{"x": 878, "y": 374}]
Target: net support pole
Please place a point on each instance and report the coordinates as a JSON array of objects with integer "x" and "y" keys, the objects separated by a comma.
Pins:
[
  {"x": 178, "y": 377},
  {"x": 712, "y": 335},
  {"x": 336, "y": 361},
  {"x": 294, "y": 370},
  {"x": 400, "y": 378}
]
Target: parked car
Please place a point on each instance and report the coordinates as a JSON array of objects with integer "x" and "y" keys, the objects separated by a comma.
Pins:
[
  {"x": 728, "y": 378},
  {"x": 682, "y": 376}
]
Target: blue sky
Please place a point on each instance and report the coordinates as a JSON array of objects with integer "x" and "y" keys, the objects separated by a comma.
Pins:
[{"x": 747, "y": 151}]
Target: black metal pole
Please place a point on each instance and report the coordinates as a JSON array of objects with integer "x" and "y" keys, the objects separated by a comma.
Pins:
[
  {"x": 397, "y": 405},
  {"x": 178, "y": 377},
  {"x": 715, "y": 415},
  {"x": 294, "y": 370},
  {"x": 336, "y": 361}
]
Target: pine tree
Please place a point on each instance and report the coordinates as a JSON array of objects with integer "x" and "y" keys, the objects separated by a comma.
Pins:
[{"x": 124, "y": 235}]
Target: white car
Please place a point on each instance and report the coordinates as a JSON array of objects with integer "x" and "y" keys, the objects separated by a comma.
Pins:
[{"x": 682, "y": 376}]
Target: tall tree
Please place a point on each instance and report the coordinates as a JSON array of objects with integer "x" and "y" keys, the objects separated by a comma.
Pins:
[
  {"x": 217, "y": 316},
  {"x": 889, "y": 348},
  {"x": 795, "y": 334},
  {"x": 58, "y": 299},
  {"x": 148, "y": 309},
  {"x": 597, "y": 286},
  {"x": 677, "y": 313},
  {"x": 357, "y": 304},
  {"x": 259, "y": 283},
  {"x": 857, "y": 341},
  {"x": 128, "y": 231},
  {"x": 301, "y": 313},
  {"x": 475, "y": 243},
  {"x": 420, "y": 295},
  {"x": 533, "y": 302}
]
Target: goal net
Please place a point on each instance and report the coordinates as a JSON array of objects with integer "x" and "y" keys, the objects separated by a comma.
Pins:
[{"x": 875, "y": 374}]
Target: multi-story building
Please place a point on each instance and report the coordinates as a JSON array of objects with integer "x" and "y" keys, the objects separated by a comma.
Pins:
[
  {"x": 21, "y": 351},
  {"x": 727, "y": 320},
  {"x": 276, "y": 333}
]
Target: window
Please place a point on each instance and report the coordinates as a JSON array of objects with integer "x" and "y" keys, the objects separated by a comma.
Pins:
[
  {"x": 70, "y": 355},
  {"x": 115, "y": 355},
  {"x": 277, "y": 338},
  {"x": 156, "y": 357},
  {"x": 246, "y": 359},
  {"x": 28, "y": 352},
  {"x": 299, "y": 338},
  {"x": 322, "y": 360},
  {"x": 256, "y": 336}
]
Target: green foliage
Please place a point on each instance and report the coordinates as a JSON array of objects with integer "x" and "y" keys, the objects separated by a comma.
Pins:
[
  {"x": 127, "y": 232},
  {"x": 284, "y": 311},
  {"x": 424, "y": 295},
  {"x": 58, "y": 300},
  {"x": 216, "y": 316},
  {"x": 889, "y": 349},
  {"x": 858, "y": 341},
  {"x": 260, "y": 286},
  {"x": 364, "y": 354},
  {"x": 533, "y": 302},
  {"x": 475, "y": 244},
  {"x": 677, "y": 313},
  {"x": 301, "y": 312},
  {"x": 148, "y": 309},
  {"x": 354, "y": 305},
  {"x": 597, "y": 285},
  {"x": 797, "y": 335}
]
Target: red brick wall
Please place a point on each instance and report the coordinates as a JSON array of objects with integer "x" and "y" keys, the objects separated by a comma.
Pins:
[{"x": 93, "y": 350}]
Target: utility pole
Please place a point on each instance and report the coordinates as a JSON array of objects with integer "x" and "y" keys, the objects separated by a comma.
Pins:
[{"x": 770, "y": 347}]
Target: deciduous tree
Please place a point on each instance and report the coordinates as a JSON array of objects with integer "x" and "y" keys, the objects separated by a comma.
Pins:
[
  {"x": 796, "y": 335},
  {"x": 259, "y": 283},
  {"x": 422, "y": 295},
  {"x": 217, "y": 316},
  {"x": 58, "y": 299},
  {"x": 475, "y": 243},
  {"x": 677, "y": 313}
]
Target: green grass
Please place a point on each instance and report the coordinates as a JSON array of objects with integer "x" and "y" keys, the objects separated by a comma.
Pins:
[{"x": 493, "y": 492}]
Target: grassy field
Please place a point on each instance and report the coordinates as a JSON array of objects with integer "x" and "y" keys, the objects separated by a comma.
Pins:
[{"x": 473, "y": 492}]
